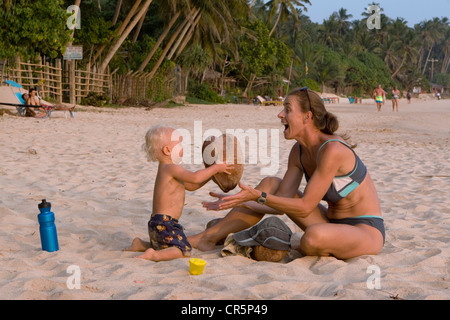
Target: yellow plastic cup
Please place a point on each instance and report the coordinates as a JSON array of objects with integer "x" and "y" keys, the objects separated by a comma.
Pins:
[{"x": 196, "y": 266}]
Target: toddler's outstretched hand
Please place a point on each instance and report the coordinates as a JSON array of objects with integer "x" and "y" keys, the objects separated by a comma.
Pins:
[{"x": 224, "y": 167}]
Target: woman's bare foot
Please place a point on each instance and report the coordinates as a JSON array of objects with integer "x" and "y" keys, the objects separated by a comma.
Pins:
[
  {"x": 201, "y": 242},
  {"x": 138, "y": 245}
]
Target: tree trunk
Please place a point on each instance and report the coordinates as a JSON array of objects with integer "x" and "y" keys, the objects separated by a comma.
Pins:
[
  {"x": 186, "y": 81},
  {"x": 276, "y": 22},
  {"x": 77, "y": 3},
  {"x": 249, "y": 84},
  {"x": 222, "y": 78},
  {"x": 112, "y": 51},
  {"x": 446, "y": 64},
  {"x": 189, "y": 36},
  {"x": 128, "y": 18},
  {"x": 446, "y": 60},
  {"x": 158, "y": 43},
  {"x": 426, "y": 61},
  {"x": 401, "y": 65},
  {"x": 121, "y": 28},
  {"x": 167, "y": 48},
  {"x": 191, "y": 18},
  {"x": 252, "y": 3},
  {"x": 116, "y": 13},
  {"x": 139, "y": 27}
]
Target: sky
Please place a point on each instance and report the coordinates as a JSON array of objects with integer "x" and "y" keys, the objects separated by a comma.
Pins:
[{"x": 413, "y": 11}]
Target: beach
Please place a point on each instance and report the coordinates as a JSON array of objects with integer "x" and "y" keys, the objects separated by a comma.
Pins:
[{"x": 93, "y": 171}]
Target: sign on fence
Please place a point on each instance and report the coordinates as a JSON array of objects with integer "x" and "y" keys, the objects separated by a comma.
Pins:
[{"x": 73, "y": 53}]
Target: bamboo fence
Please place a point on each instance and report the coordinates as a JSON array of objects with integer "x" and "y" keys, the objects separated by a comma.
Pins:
[
  {"x": 48, "y": 77},
  {"x": 137, "y": 85},
  {"x": 59, "y": 82}
]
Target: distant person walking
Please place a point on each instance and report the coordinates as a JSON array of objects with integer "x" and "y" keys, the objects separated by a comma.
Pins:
[
  {"x": 395, "y": 99},
  {"x": 408, "y": 96},
  {"x": 379, "y": 95}
]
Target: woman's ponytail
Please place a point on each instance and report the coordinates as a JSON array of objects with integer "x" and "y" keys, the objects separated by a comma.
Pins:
[{"x": 329, "y": 124}]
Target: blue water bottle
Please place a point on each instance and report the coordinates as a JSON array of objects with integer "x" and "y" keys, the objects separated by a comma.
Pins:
[{"x": 47, "y": 228}]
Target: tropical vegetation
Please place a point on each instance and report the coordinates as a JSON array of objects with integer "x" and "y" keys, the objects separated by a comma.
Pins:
[{"x": 263, "y": 45}]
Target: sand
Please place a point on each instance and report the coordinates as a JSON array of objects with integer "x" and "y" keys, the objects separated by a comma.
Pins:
[{"x": 92, "y": 170}]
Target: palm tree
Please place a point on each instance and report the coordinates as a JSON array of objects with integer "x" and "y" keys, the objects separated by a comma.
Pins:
[
  {"x": 219, "y": 25},
  {"x": 342, "y": 18},
  {"x": 296, "y": 29},
  {"x": 159, "y": 42},
  {"x": 326, "y": 73},
  {"x": 116, "y": 12},
  {"x": 284, "y": 8},
  {"x": 360, "y": 36},
  {"x": 367, "y": 14},
  {"x": 308, "y": 53},
  {"x": 446, "y": 46},
  {"x": 172, "y": 39},
  {"x": 327, "y": 30},
  {"x": 195, "y": 60},
  {"x": 113, "y": 49},
  {"x": 410, "y": 54},
  {"x": 388, "y": 50},
  {"x": 431, "y": 32},
  {"x": 208, "y": 23}
]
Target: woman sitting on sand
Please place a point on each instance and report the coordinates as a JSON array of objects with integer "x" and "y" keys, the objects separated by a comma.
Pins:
[{"x": 351, "y": 225}]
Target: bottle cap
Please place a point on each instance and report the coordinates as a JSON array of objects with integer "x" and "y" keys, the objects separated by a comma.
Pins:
[{"x": 44, "y": 204}]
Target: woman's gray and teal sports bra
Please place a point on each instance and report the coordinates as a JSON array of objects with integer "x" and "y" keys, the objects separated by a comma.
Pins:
[{"x": 341, "y": 185}]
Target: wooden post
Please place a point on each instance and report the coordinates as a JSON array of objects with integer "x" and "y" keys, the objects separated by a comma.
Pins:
[
  {"x": 47, "y": 78},
  {"x": 432, "y": 67},
  {"x": 18, "y": 68},
  {"x": 109, "y": 83},
  {"x": 58, "y": 82},
  {"x": 29, "y": 73},
  {"x": 88, "y": 77},
  {"x": 71, "y": 67},
  {"x": 41, "y": 70}
]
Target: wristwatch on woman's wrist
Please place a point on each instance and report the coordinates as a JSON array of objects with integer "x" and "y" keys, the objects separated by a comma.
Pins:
[{"x": 262, "y": 199}]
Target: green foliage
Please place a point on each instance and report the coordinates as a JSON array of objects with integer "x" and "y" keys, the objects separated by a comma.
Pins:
[
  {"x": 28, "y": 27},
  {"x": 310, "y": 83},
  {"x": 132, "y": 54},
  {"x": 261, "y": 54},
  {"x": 330, "y": 68},
  {"x": 367, "y": 71},
  {"x": 203, "y": 92},
  {"x": 95, "y": 31},
  {"x": 159, "y": 92},
  {"x": 195, "y": 59},
  {"x": 340, "y": 52},
  {"x": 443, "y": 79}
]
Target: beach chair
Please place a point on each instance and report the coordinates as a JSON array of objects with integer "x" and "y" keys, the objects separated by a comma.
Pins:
[
  {"x": 265, "y": 102},
  {"x": 21, "y": 107}
]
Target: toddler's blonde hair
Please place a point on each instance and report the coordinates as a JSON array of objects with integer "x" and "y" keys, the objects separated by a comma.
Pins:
[{"x": 155, "y": 139}]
